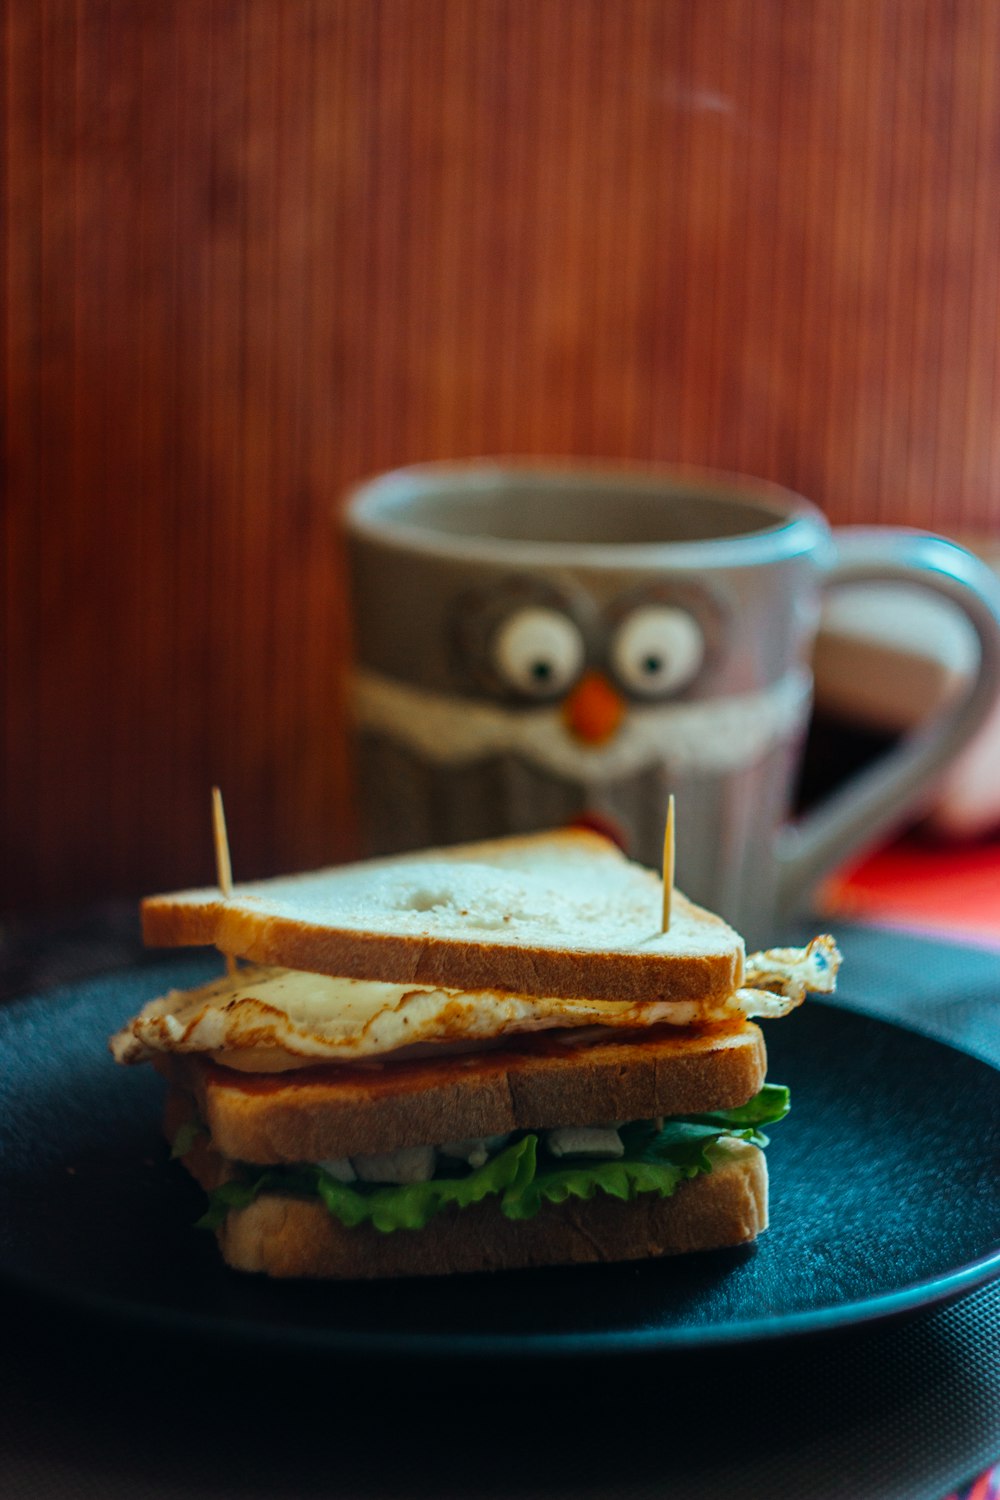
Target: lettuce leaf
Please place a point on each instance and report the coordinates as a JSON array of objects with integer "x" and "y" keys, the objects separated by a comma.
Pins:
[
  {"x": 683, "y": 1141},
  {"x": 411, "y": 1204},
  {"x": 523, "y": 1175},
  {"x": 186, "y": 1136},
  {"x": 296, "y": 1182},
  {"x": 405, "y": 1206},
  {"x": 766, "y": 1108},
  {"x": 623, "y": 1179}
]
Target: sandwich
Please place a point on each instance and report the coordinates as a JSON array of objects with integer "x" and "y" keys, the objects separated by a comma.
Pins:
[{"x": 476, "y": 1058}]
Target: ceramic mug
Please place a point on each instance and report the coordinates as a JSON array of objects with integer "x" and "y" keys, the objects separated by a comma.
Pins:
[{"x": 537, "y": 644}]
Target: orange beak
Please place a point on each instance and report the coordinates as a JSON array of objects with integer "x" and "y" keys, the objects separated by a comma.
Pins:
[{"x": 593, "y": 710}]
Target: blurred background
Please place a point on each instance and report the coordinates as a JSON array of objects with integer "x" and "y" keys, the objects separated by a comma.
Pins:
[{"x": 255, "y": 250}]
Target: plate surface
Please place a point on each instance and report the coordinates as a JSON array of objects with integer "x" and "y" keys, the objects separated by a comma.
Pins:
[{"x": 885, "y": 1197}]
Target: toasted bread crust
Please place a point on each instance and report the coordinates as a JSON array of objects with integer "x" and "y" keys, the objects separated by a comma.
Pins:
[
  {"x": 295, "y": 1237},
  {"x": 316, "y": 1114},
  {"x": 457, "y": 964},
  {"x": 246, "y": 929}
]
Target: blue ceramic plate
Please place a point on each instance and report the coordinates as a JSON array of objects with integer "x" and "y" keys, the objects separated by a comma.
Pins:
[{"x": 885, "y": 1197}]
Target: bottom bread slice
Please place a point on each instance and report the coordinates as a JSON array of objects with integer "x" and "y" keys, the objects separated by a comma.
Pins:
[{"x": 285, "y": 1236}]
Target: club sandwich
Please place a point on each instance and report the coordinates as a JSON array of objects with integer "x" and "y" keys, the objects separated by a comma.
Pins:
[{"x": 476, "y": 1058}]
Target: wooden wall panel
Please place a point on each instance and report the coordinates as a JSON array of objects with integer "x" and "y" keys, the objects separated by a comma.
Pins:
[{"x": 255, "y": 249}]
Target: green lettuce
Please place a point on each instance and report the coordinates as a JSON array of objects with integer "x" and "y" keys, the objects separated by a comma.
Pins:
[
  {"x": 655, "y": 1160},
  {"x": 186, "y": 1136},
  {"x": 404, "y": 1206},
  {"x": 766, "y": 1108},
  {"x": 523, "y": 1175},
  {"x": 409, "y": 1205}
]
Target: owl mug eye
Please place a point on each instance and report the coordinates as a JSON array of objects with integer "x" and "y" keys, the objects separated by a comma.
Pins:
[
  {"x": 538, "y": 651},
  {"x": 656, "y": 650}
]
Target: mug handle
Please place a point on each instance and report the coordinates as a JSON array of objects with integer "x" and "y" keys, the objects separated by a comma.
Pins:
[{"x": 871, "y": 802}]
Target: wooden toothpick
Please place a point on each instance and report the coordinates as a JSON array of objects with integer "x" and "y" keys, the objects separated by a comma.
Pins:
[
  {"x": 223, "y": 865},
  {"x": 669, "y": 855}
]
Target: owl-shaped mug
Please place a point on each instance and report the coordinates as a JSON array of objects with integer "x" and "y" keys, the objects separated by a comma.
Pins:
[{"x": 539, "y": 644}]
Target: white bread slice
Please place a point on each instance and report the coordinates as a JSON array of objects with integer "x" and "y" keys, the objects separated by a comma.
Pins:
[
  {"x": 298, "y": 1237},
  {"x": 316, "y": 1114},
  {"x": 557, "y": 914}
]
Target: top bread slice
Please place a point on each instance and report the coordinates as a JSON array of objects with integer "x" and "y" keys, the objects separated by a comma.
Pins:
[{"x": 560, "y": 914}]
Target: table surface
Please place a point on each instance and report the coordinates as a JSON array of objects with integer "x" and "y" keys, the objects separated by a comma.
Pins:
[{"x": 908, "y": 1410}]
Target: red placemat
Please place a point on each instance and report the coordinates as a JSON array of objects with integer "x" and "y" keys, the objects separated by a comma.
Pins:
[
  {"x": 924, "y": 886},
  {"x": 986, "y": 1487}
]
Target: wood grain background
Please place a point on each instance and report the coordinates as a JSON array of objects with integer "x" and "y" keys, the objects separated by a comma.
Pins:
[{"x": 254, "y": 249}]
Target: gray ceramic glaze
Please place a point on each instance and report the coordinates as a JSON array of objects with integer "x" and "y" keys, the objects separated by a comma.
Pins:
[{"x": 453, "y": 566}]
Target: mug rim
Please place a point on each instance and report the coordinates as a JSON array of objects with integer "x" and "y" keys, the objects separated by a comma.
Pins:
[{"x": 371, "y": 513}]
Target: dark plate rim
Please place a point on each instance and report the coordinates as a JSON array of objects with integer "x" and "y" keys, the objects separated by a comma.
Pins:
[{"x": 916, "y": 1297}]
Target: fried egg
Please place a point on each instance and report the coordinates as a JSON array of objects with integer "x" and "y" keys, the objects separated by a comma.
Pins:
[{"x": 270, "y": 1019}]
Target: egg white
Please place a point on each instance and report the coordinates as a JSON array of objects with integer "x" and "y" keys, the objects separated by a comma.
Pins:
[{"x": 270, "y": 1019}]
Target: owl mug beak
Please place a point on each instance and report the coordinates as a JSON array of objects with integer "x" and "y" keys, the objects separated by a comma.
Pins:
[{"x": 594, "y": 710}]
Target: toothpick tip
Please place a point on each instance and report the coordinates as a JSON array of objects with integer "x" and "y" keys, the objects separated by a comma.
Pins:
[{"x": 223, "y": 864}]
